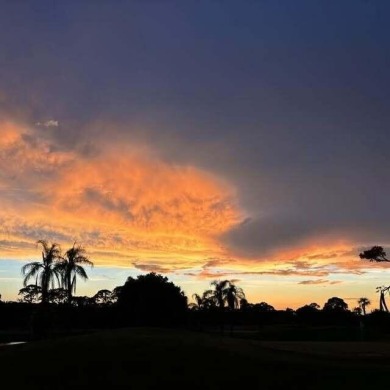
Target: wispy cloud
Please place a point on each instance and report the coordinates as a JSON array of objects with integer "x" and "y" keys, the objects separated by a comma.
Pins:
[
  {"x": 319, "y": 281},
  {"x": 49, "y": 123}
]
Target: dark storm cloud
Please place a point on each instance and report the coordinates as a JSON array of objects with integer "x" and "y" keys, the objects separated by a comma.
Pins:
[{"x": 287, "y": 100}]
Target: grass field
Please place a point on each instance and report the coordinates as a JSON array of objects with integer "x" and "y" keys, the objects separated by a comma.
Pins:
[{"x": 160, "y": 358}]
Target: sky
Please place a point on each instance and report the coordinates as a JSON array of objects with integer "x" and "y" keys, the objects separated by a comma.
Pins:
[{"x": 204, "y": 140}]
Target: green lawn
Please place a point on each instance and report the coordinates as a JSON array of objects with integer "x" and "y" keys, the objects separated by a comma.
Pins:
[{"x": 156, "y": 358}]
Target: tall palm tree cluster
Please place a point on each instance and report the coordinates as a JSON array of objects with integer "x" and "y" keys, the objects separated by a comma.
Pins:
[
  {"x": 223, "y": 294},
  {"x": 57, "y": 268}
]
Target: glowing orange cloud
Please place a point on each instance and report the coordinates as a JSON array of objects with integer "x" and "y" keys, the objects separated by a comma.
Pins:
[{"x": 123, "y": 205}]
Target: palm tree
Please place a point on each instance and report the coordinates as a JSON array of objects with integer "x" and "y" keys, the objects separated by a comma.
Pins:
[
  {"x": 224, "y": 292},
  {"x": 363, "y": 302},
  {"x": 45, "y": 272},
  {"x": 218, "y": 295},
  {"x": 69, "y": 267},
  {"x": 198, "y": 304},
  {"x": 382, "y": 302},
  {"x": 233, "y": 295}
]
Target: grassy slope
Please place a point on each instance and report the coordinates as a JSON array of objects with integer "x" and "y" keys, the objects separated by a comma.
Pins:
[{"x": 151, "y": 358}]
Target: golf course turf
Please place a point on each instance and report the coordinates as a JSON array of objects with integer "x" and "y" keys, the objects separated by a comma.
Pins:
[{"x": 149, "y": 358}]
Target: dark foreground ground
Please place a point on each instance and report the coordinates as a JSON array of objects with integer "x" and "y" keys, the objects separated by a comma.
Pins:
[{"x": 156, "y": 358}]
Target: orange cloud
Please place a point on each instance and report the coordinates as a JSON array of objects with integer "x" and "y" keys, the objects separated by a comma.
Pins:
[
  {"x": 319, "y": 281},
  {"x": 121, "y": 203}
]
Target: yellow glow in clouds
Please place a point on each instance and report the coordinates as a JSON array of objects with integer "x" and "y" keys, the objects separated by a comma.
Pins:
[{"x": 122, "y": 205}]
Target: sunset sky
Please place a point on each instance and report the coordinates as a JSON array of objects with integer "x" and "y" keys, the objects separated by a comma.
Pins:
[{"x": 204, "y": 140}]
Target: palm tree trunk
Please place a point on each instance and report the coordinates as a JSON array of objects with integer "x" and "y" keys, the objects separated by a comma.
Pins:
[
  {"x": 44, "y": 290},
  {"x": 69, "y": 291},
  {"x": 384, "y": 303},
  {"x": 69, "y": 287},
  {"x": 44, "y": 297}
]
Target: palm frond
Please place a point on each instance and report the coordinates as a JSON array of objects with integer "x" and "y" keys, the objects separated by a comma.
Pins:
[
  {"x": 26, "y": 268},
  {"x": 84, "y": 260},
  {"x": 30, "y": 271},
  {"x": 80, "y": 271},
  {"x": 45, "y": 245}
]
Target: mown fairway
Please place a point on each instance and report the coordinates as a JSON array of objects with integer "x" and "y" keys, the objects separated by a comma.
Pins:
[{"x": 156, "y": 358}]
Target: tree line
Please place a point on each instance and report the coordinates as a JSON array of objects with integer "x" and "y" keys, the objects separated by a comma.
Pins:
[
  {"x": 56, "y": 280},
  {"x": 50, "y": 284}
]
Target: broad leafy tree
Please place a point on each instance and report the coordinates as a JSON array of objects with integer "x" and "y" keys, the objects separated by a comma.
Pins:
[
  {"x": 57, "y": 296},
  {"x": 335, "y": 304},
  {"x": 104, "y": 297},
  {"x": 30, "y": 294},
  {"x": 151, "y": 299},
  {"x": 308, "y": 310},
  {"x": 376, "y": 253},
  {"x": 263, "y": 307}
]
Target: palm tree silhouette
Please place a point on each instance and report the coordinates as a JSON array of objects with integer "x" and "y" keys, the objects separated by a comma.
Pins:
[
  {"x": 382, "y": 302},
  {"x": 218, "y": 294},
  {"x": 45, "y": 272},
  {"x": 224, "y": 292},
  {"x": 233, "y": 295},
  {"x": 363, "y": 302},
  {"x": 198, "y": 305},
  {"x": 69, "y": 267}
]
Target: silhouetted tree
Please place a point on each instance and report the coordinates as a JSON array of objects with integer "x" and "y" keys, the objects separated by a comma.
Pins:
[
  {"x": 357, "y": 310},
  {"x": 376, "y": 253},
  {"x": 233, "y": 295},
  {"x": 382, "y": 302},
  {"x": 57, "y": 296},
  {"x": 263, "y": 307},
  {"x": 45, "y": 272},
  {"x": 223, "y": 292},
  {"x": 335, "y": 304},
  {"x": 309, "y": 309},
  {"x": 198, "y": 304},
  {"x": 218, "y": 293},
  {"x": 116, "y": 292},
  {"x": 103, "y": 297},
  {"x": 152, "y": 299},
  {"x": 30, "y": 294},
  {"x": 363, "y": 303},
  {"x": 315, "y": 306},
  {"x": 245, "y": 305},
  {"x": 71, "y": 266},
  {"x": 82, "y": 301}
]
